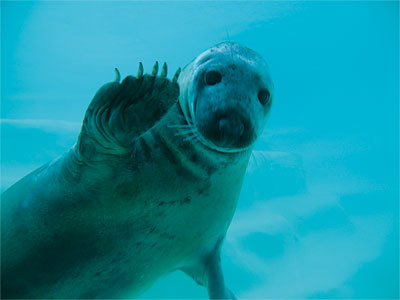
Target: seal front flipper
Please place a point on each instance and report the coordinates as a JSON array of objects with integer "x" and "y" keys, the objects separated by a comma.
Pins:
[
  {"x": 206, "y": 271},
  {"x": 121, "y": 112}
]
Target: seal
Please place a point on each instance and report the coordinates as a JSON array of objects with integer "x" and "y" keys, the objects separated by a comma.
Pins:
[{"x": 150, "y": 186}]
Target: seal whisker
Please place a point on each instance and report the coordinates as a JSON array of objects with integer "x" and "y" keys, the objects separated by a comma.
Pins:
[
  {"x": 184, "y": 132},
  {"x": 179, "y": 126},
  {"x": 190, "y": 137},
  {"x": 253, "y": 158},
  {"x": 183, "y": 120}
]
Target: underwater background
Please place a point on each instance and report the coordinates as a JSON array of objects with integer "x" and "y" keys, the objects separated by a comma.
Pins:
[{"x": 318, "y": 215}]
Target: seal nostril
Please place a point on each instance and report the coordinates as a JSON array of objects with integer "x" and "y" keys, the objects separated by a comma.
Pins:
[
  {"x": 264, "y": 96},
  {"x": 212, "y": 77}
]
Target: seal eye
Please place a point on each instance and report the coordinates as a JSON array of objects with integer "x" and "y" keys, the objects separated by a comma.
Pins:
[
  {"x": 212, "y": 77},
  {"x": 264, "y": 96}
]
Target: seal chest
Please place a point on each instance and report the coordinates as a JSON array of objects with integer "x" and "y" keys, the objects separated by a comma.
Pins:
[{"x": 150, "y": 186}]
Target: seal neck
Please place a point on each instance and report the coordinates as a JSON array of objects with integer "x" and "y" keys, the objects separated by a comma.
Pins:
[{"x": 179, "y": 136}]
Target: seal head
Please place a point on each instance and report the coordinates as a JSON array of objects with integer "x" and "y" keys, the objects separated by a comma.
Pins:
[{"x": 226, "y": 94}]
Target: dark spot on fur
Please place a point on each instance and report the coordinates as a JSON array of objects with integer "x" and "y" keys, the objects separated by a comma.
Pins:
[
  {"x": 146, "y": 150},
  {"x": 185, "y": 145},
  {"x": 209, "y": 169},
  {"x": 187, "y": 200},
  {"x": 194, "y": 157},
  {"x": 98, "y": 274},
  {"x": 204, "y": 189},
  {"x": 167, "y": 236},
  {"x": 114, "y": 271},
  {"x": 124, "y": 190}
]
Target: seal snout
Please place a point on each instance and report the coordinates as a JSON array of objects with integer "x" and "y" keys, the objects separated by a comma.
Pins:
[
  {"x": 227, "y": 126},
  {"x": 231, "y": 129}
]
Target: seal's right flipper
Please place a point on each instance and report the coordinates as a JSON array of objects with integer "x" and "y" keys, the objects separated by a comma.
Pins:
[
  {"x": 121, "y": 112},
  {"x": 206, "y": 270}
]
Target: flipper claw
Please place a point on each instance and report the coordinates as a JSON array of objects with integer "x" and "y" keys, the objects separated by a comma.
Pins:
[
  {"x": 155, "y": 69},
  {"x": 117, "y": 75},
  {"x": 140, "y": 70},
  {"x": 177, "y": 73},
  {"x": 164, "y": 70}
]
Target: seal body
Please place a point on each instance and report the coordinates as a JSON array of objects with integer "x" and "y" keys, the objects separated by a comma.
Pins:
[{"x": 150, "y": 186}]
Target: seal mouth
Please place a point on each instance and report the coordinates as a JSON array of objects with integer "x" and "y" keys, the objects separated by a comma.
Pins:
[{"x": 228, "y": 129}]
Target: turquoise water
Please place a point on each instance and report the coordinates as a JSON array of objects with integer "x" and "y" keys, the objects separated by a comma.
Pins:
[{"x": 319, "y": 210}]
